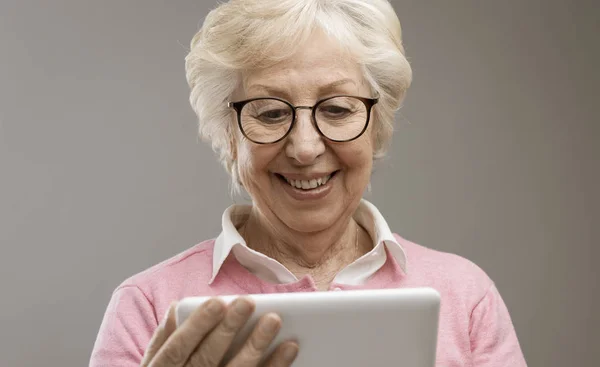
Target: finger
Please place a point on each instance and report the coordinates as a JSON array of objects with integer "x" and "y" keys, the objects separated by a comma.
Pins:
[
  {"x": 161, "y": 334},
  {"x": 258, "y": 342},
  {"x": 213, "y": 347},
  {"x": 284, "y": 355},
  {"x": 170, "y": 324},
  {"x": 182, "y": 342}
]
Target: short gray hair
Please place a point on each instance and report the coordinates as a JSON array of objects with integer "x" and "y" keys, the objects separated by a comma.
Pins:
[{"x": 243, "y": 34}]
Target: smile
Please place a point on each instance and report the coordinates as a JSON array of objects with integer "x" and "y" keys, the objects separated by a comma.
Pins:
[{"x": 307, "y": 184}]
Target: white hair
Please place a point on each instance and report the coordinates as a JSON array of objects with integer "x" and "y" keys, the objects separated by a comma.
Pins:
[{"x": 244, "y": 34}]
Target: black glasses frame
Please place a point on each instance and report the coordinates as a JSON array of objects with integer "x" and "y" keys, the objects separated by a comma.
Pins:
[{"x": 238, "y": 106}]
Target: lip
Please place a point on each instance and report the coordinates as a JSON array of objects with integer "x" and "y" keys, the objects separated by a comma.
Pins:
[
  {"x": 307, "y": 177},
  {"x": 302, "y": 195}
]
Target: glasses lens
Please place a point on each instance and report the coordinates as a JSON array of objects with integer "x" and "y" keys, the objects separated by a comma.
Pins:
[
  {"x": 341, "y": 118},
  {"x": 266, "y": 120}
]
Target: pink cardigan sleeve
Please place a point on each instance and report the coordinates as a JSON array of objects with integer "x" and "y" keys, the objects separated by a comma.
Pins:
[
  {"x": 494, "y": 341},
  {"x": 126, "y": 329}
]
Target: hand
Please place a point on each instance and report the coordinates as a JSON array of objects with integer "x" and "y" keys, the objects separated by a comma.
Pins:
[{"x": 205, "y": 336}]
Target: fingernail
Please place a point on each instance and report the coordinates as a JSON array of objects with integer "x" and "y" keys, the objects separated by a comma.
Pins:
[
  {"x": 290, "y": 352},
  {"x": 269, "y": 325},
  {"x": 242, "y": 307},
  {"x": 214, "y": 307}
]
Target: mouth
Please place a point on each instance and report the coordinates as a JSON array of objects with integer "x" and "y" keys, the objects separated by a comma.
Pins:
[{"x": 307, "y": 185}]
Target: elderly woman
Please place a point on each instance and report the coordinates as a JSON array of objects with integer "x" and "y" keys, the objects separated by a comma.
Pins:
[{"x": 297, "y": 97}]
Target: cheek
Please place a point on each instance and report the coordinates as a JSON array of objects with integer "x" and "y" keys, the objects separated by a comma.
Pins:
[
  {"x": 253, "y": 161},
  {"x": 357, "y": 154},
  {"x": 358, "y": 162}
]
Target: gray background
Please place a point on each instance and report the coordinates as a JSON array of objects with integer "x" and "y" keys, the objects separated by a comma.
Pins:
[{"x": 494, "y": 158}]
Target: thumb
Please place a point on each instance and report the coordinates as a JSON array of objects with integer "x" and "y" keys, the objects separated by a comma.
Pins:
[{"x": 166, "y": 327}]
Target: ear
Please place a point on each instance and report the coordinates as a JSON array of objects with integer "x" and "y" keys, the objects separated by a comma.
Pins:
[
  {"x": 374, "y": 134},
  {"x": 232, "y": 141},
  {"x": 233, "y": 146}
]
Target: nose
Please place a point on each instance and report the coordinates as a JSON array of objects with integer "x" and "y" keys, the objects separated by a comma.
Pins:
[{"x": 304, "y": 143}]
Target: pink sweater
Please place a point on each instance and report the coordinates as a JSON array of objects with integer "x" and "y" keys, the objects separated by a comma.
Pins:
[{"x": 475, "y": 327}]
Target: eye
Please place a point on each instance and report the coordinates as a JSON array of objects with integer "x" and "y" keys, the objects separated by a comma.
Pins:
[
  {"x": 274, "y": 116},
  {"x": 333, "y": 111}
]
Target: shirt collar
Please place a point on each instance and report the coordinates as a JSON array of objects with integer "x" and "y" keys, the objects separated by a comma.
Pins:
[{"x": 367, "y": 215}]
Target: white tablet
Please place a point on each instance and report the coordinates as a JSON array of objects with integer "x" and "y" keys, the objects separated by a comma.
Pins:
[{"x": 358, "y": 328}]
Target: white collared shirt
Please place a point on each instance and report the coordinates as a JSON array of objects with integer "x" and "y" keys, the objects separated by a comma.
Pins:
[{"x": 268, "y": 269}]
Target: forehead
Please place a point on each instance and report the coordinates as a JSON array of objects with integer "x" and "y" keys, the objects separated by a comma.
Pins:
[{"x": 320, "y": 66}]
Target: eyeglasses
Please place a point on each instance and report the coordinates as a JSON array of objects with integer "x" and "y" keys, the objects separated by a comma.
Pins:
[{"x": 269, "y": 120}]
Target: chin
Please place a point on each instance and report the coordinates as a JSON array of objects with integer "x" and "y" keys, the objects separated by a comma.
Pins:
[
  {"x": 307, "y": 221},
  {"x": 306, "y": 210}
]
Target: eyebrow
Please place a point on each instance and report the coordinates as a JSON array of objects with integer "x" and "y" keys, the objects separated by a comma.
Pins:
[{"x": 322, "y": 89}]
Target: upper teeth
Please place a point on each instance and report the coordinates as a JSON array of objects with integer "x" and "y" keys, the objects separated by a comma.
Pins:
[{"x": 308, "y": 184}]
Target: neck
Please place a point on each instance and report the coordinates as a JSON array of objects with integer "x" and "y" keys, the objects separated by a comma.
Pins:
[{"x": 319, "y": 254}]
